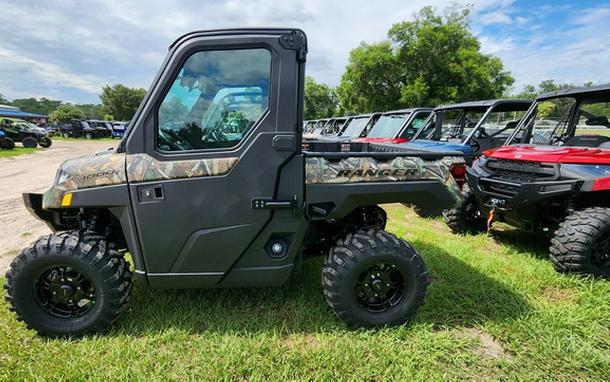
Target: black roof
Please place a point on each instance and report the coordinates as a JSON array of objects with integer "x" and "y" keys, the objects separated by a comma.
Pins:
[
  {"x": 484, "y": 104},
  {"x": 409, "y": 110},
  {"x": 583, "y": 92},
  {"x": 237, "y": 31}
]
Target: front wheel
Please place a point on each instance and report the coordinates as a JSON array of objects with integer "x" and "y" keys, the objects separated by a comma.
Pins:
[
  {"x": 581, "y": 243},
  {"x": 466, "y": 218},
  {"x": 66, "y": 286},
  {"x": 371, "y": 278},
  {"x": 45, "y": 142}
]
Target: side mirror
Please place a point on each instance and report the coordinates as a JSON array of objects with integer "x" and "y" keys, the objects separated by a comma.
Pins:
[{"x": 598, "y": 121}]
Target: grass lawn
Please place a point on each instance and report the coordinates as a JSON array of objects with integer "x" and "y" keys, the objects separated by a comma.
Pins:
[
  {"x": 496, "y": 310},
  {"x": 18, "y": 150}
]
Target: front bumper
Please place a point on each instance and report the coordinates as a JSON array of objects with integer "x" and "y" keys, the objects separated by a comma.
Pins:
[
  {"x": 33, "y": 203},
  {"x": 518, "y": 204}
]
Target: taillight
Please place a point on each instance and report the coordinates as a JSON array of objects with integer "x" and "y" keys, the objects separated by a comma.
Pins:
[
  {"x": 601, "y": 184},
  {"x": 458, "y": 170}
]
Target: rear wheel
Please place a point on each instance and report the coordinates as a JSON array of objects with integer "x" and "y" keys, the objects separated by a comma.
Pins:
[
  {"x": 581, "y": 244},
  {"x": 7, "y": 143},
  {"x": 45, "y": 142},
  {"x": 65, "y": 285},
  {"x": 466, "y": 216},
  {"x": 371, "y": 278},
  {"x": 29, "y": 142},
  {"x": 427, "y": 213}
]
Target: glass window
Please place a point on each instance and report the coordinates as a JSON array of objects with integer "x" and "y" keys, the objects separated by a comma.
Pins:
[
  {"x": 355, "y": 127},
  {"x": 550, "y": 120},
  {"x": 388, "y": 126},
  {"x": 416, "y": 123},
  {"x": 215, "y": 100},
  {"x": 593, "y": 118}
]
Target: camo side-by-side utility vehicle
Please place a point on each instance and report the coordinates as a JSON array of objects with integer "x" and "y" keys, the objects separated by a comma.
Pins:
[
  {"x": 218, "y": 193},
  {"x": 552, "y": 176}
]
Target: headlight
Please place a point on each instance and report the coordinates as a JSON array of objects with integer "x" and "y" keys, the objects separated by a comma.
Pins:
[{"x": 61, "y": 177}]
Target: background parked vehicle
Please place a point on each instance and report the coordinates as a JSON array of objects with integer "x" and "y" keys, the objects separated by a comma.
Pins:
[
  {"x": 396, "y": 126},
  {"x": 550, "y": 178},
  {"x": 355, "y": 127},
  {"x": 118, "y": 129},
  {"x": 104, "y": 128},
  {"x": 27, "y": 133},
  {"x": 470, "y": 127},
  {"x": 80, "y": 129}
]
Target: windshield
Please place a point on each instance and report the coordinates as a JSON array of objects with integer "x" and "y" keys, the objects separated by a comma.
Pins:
[
  {"x": 388, "y": 126},
  {"x": 550, "y": 123},
  {"x": 355, "y": 127}
]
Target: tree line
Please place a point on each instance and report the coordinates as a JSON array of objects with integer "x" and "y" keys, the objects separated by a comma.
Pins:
[{"x": 118, "y": 103}]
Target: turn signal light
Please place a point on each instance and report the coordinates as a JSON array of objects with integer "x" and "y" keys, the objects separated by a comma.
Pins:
[
  {"x": 601, "y": 184},
  {"x": 458, "y": 170}
]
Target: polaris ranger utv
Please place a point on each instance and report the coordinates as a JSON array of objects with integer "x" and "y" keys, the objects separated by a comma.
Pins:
[
  {"x": 218, "y": 193},
  {"x": 552, "y": 176}
]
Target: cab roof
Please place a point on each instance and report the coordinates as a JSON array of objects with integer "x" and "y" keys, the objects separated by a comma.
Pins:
[
  {"x": 582, "y": 92},
  {"x": 520, "y": 104}
]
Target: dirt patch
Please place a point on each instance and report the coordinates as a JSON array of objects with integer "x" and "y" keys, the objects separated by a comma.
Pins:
[
  {"x": 31, "y": 173},
  {"x": 302, "y": 343},
  {"x": 488, "y": 347},
  {"x": 557, "y": 294}
]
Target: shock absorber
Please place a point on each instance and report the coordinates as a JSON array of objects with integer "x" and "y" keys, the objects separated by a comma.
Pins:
[{"x": 571, "y": 206}]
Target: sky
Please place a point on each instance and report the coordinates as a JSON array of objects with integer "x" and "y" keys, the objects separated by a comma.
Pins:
[{"x": 70, "y": 49}]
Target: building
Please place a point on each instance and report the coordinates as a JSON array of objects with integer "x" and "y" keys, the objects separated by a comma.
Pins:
[{"x": 15, "y": 112}]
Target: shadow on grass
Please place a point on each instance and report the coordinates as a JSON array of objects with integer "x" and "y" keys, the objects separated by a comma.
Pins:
[
  {"x": 522, "y": 241},
  {"x": 459, "y": 295}
]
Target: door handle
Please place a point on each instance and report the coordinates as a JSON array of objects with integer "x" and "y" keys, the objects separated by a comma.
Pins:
[{"x": 149, "y": 194}]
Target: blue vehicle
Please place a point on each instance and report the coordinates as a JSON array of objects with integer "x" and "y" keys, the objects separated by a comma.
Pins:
[
  {"x": 470, "y": 127},
  {"x": 117, "y": 129}
]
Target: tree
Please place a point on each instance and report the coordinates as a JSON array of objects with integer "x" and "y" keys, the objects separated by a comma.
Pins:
[
  {"x": 4, "y": 101},
  {"x": 371, "y": 81},
  {"x": 39, "y": 106},
  {"x": 431, "y": 60},
  {"x": 546, "y": 86},
  {"x": 121, "y": 101},
  {"x": 65, "y": 113},
  {"x": 91, "y": 111},
  {"x": 320, "y": 100}
]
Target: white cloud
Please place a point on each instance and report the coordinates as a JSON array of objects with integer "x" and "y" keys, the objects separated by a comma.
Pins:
[
  {"x": 490, "y": 18},
  {"x": 56, "y": 47}
]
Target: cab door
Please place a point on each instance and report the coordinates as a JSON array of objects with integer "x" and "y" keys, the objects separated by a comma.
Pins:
[{"x": 207, "y": 149}]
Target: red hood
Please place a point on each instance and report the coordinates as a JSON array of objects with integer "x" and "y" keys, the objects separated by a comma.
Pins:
[
  {"x": 380, "y": 140},
  {"x": 548, "y": 154}
]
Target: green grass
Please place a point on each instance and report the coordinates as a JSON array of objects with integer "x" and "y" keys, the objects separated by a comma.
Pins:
[
  {"x": 496, "y": 310},
  {"x": 17, "y": 151},
  {"x": 605, "y": 132}
]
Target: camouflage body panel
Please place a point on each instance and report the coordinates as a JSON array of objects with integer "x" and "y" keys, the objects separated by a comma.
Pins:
[
  {"x": 89, "y": 171},
  {"x": 319, "y": 170},
  {"x": 110, "y": 169},
  {"x": 144, "y": 168}
]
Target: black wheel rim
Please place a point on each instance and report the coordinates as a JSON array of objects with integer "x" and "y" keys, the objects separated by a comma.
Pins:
[
  {"x": 600, "y": 256},
  {"x": 64, "y": 292},
  {"x": 380, "y": 287},
  {"x": 472, "y": 213}
]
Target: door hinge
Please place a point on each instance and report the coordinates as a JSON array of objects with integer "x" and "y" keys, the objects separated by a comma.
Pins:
[{"x": 295, "y": 41}]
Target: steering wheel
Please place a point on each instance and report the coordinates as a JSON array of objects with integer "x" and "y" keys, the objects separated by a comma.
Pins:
[
  {"x": 171, "y": 139},
  {"x": 555, "y": 140},
  {"x": 482, "y": 133}
]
